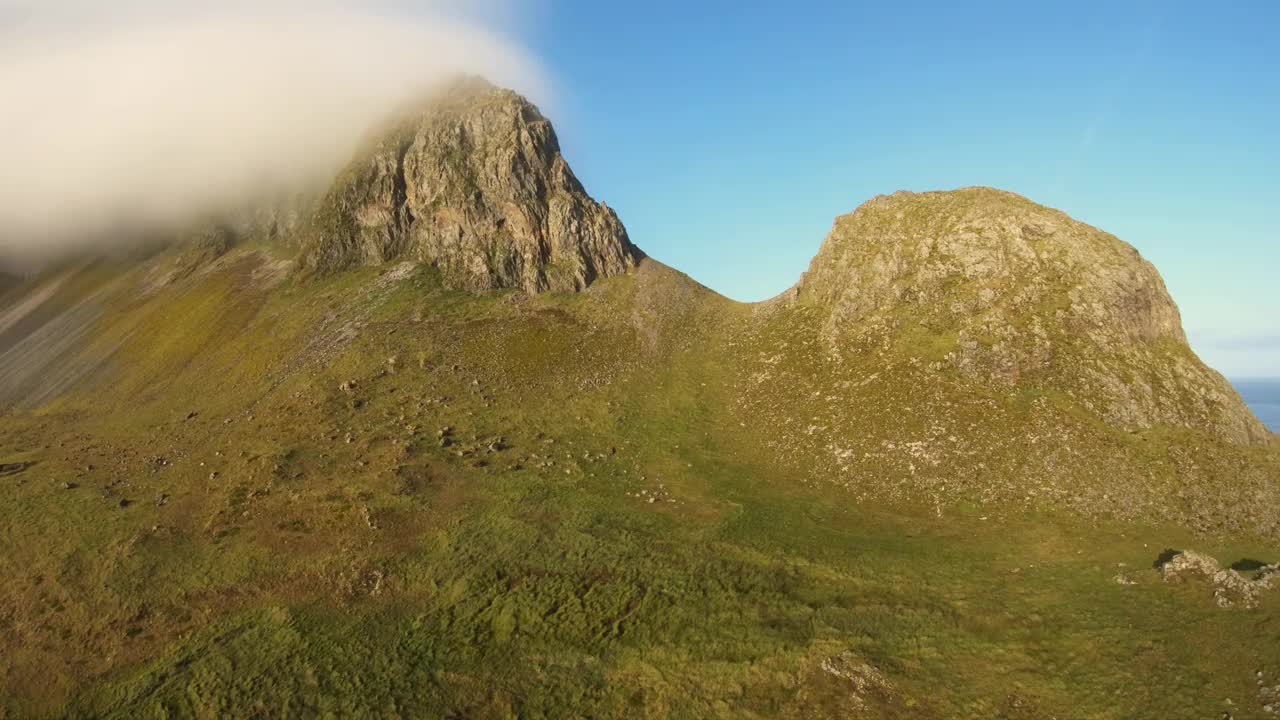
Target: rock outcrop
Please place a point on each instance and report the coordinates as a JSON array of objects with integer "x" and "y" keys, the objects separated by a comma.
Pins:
[
  {"x": 475, "y": 184},
  {"x": 1230, "y": 587},
  {"x": 203, "y": 246},
  {"x": 992, "y": 286}
]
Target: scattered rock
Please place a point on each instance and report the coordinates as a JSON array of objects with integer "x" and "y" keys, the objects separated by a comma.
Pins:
[
  {"x": 657, "y": 495},
  {"x": 1268, "y": 695},
  {"x": 1230, "y": 588},
  {"x": 864, "y": 679}
]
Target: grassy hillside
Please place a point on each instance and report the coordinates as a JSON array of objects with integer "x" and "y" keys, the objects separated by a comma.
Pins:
[{"x": 368, "y": 495}]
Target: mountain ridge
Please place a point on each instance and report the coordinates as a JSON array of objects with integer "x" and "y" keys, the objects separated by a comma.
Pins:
[
  {"x": 977, "y": 280},
  {"x": 468, "y": 485}
]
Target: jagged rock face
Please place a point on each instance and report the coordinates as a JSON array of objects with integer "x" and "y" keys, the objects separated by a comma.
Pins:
[
  {"x": 994, "y": 286},
  {"x": 476, "y": 185}
]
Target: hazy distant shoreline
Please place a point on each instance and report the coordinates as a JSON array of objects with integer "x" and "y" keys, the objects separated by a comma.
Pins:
[{"x": 1263, "y": 397}]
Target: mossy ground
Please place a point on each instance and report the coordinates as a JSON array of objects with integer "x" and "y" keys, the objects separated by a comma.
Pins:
[{"x": 594, "y": 534}]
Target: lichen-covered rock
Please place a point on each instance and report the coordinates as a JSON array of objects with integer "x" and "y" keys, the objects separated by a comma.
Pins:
[
  {"x": 1230, "y": 588},
  {"x": 475, "y": 184},
  {"x": 1000, "y": 289},
  {"x": 857, "y": 688}
]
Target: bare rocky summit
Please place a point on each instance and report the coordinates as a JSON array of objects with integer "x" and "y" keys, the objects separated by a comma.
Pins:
[
  {"x": 475, "y": 184},
  {"x": 997, "y": 288}
]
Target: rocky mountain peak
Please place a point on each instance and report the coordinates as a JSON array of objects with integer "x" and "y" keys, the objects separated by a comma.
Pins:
[
  {"x": 980, "y": 255},
  {"x": 473, "y": 182},
  {"x": 988, "y": 284}
]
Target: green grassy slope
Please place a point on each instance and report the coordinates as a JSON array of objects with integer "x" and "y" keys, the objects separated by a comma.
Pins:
[{"x": 370, "y": 496}]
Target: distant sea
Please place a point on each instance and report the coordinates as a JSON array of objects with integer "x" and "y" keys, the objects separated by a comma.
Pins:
[{"x": 1263, "y": 397}]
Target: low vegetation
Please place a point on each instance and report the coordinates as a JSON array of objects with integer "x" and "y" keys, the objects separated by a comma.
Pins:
[{"x": 369, "y": 495}]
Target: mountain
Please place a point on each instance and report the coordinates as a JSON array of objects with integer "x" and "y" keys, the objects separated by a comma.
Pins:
[
  {"x": 1010, "y": 292},
  {"x": 475, "y": 184},
  {"x": 974, "y": 348},
  {"x": 441, "y": 441}
]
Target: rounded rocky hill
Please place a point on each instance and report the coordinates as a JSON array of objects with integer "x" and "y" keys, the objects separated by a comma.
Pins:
[
  {"x": 474, "y": 183},
  {"x": 996, "y": 288}
]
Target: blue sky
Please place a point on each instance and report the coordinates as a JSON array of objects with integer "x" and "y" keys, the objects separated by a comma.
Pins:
[{"x": 729, "y": 135}]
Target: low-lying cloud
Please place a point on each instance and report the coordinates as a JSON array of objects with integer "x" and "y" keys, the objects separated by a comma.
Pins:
[{"x": 151, "y": 111}]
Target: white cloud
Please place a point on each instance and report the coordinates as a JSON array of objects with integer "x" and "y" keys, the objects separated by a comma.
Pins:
[{"x": 153, "y": 111}]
